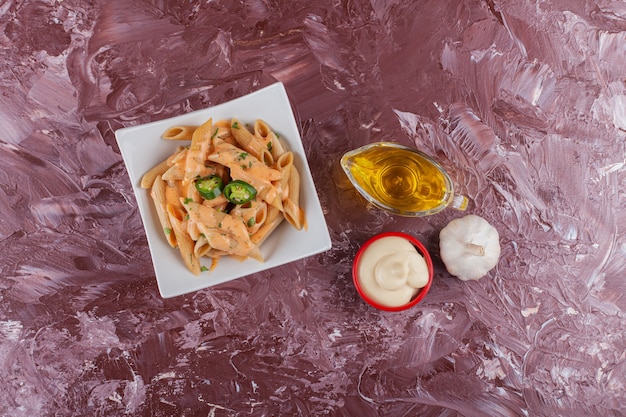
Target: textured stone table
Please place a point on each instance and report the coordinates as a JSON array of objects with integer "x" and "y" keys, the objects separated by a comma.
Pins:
[{"x": 523, "y": 101}]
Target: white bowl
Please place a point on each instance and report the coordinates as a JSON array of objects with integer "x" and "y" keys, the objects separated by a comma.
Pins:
[{"x": 142, "y": 147}]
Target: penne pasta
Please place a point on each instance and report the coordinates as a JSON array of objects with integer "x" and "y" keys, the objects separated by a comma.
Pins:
[
  {"x": 201, "y": 247},
  {"x": 198, "y": 151},
  {"x": 148, "y": 178},
  {"x": 284, "y": 165},
  {"x": 269, "y": 138},
  {"x": 179, "y": 133},
  {"x": 161, "y": 169},
  {"x": 218, "y": 203},
  {"x": 253, "y": 216},
  {"x": 185, "y": 243},
  {"x": 173, "y": 191},
  {"x": 199, "y": 208},
  {"x": 233, "y": 157},
  {"x": 273, "y": 220},
  {"x": 293, "y": 212},
  {"x": 250, "y": 143},
  {"x": 157, "y": 193},
  {"x": 176, "y": 170},
  {"x": 223, "y": 132}
]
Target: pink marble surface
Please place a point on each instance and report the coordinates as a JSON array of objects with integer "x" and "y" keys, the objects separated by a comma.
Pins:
[{"x": 524, "y": 102}]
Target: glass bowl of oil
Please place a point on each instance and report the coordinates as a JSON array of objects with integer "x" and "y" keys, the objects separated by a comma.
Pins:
[{"x": 401, "y": 180}]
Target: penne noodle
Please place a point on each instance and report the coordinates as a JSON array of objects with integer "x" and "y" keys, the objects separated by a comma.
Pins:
[
  {"x": 148, "y": 178},
  {"x": 266, "y": 157},
  {"x": 250, "y": 143},
  {"x": 216, "y": 254},
  {"x": 223, "y": 131},
  {"x": 271, "y": 223},
  {"x": 185, "y": 243},
  {"x": 176, "y": 170},
  {"x": 218, "y": 203},
  {"x": 157, "y": 192},
  {"x": 198, "y": 151},
  {"x": 201, "y": 247},
  {"x": 262, "y": 130},
  {"x": 234, "y": 157},
  {"x": 181, "y": 154},
  {"x": 240, "y": 132},
  {"x": 175, "y": 173},
  {"x": 284, "y": 162},
  {"x": 179, "y": 133},
  {"x": 293, "y": 184},
  {"x": 194, "y": 231},
  {"x": 173, "y": 191},
  {"x": 293, "y": 212},
  {"x": 192, "y": 194},
  {"x": 223, "y": 124},
  {"x": 253, "y": 216},
  {"x": 284, "y": 165},
  {"x": 265, "y": 133}
]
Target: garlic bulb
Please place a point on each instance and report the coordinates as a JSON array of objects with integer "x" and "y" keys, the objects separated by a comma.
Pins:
[{"x": 469, "y": 247}]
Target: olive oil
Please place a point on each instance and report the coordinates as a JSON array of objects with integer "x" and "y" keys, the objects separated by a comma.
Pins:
[{"x": 399, "y": 179}]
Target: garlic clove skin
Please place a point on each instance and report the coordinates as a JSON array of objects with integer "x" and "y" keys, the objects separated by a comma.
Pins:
[{"x": 469, "y": 247}]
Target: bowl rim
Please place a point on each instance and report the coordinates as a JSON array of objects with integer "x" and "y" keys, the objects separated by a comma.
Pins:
[{"x": 422, "y": 291}]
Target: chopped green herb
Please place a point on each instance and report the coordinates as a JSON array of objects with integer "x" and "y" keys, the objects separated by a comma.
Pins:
[
  {"x": 243, "y": 155},
  {"x": 167, "y": 230},
  {"x": 269, "y": 146},
  {"x": 215, "y": 133},
  {"x": 251, "y": 221},
  {"x": 235, "y": 125},
  {"x": 188, "y": 200},
  {"x": 204, "y": 268}
]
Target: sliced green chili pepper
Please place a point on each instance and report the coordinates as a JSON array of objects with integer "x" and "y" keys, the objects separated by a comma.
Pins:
[
  {"x": 209, "y": 187},
  {"x": 239, "y": 192}
]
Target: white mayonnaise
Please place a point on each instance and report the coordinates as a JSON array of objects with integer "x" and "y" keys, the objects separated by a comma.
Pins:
[{"x": 391, "y": 271}]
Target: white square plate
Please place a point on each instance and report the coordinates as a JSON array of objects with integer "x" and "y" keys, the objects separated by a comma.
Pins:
[{"x": 142, "y": 148}]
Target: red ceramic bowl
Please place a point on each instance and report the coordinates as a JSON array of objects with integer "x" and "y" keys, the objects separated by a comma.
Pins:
[{"x": 420, "y": 294}]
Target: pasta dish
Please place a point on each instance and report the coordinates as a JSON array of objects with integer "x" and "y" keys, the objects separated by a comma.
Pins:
[{"x": 226, "y": 192}]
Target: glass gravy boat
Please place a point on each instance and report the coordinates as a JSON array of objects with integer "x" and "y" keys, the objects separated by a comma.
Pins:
[{"x": 401, "y": 180}]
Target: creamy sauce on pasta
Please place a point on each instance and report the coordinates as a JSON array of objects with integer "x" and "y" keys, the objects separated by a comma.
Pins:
[{"x": 391, "y": 271}]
